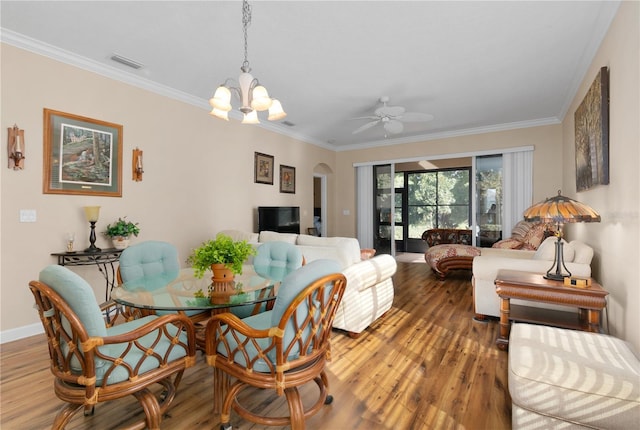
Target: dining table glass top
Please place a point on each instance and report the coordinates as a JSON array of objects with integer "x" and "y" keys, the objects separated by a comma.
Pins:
[{"x": 186, "y": 292}]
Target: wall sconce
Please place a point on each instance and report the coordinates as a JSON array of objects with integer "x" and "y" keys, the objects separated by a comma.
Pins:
[
  {"x": 137, "y": 168},
  {"x": 15, "y": 146}
]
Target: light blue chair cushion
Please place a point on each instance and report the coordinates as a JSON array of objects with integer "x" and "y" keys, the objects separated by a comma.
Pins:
[
  {"x": 152, "y": 264},
  {"x": 121, "y": 373},
  {"x": 275, "y": 260},
  {"x": 77, "y": 293},
  {"x": 79, "y": 296},
  {"x": 291, "y": 286}
]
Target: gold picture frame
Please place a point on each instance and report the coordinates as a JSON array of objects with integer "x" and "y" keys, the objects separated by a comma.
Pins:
[
  {"x": 263, "y": 168},
  {"x": 592, "y": 135},
  {"x": 82, "y": 156},
  {"x": 287, "y": 179}
]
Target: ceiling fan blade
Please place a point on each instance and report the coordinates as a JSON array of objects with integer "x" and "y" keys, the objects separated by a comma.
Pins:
[
  {"x": 393, "y": 126},
  {"x": 366, "y": 126},
  {"x": 415, "y": 117},
  {"x": 389, "y": 111},
  {"x": 365, "y": 117}
]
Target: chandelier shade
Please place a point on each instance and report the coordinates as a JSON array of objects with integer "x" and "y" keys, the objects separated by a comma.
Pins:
[
  {"x": 253, "y": 96},
  {"x": 560, "y": 210}
]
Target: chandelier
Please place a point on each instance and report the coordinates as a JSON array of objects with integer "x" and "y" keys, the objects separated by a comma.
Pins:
[{"x": 253, "y": 96}]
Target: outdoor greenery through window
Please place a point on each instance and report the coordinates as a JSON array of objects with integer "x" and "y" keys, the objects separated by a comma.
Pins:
[
  {"x": 437, "y": 199},
  {"x": 423, "y": 200}
]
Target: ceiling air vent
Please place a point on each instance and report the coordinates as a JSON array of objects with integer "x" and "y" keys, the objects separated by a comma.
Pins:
[{"x": 127, "y": 61}]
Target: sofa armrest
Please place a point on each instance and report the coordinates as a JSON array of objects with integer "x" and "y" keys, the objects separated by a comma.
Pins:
[
  {"x": 487, "y": 267},
  {"x": 368, "y": 273}
]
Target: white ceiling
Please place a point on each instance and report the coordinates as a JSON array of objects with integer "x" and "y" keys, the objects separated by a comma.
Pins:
[{"x": 475, "y": 66}]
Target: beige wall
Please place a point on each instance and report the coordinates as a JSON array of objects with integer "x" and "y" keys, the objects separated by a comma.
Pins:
[
  {"x": 198, "y": 172},
  {"x": 616, "y": 240}
]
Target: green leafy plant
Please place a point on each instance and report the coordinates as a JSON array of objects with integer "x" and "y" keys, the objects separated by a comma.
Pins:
[
  {"x": 222, "y": 250},
  {"x": 122, "y": 227}
]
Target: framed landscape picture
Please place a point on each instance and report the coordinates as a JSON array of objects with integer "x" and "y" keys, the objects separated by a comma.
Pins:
[
  {"x": 287, "y": 179},
  {"x": 263, "y": 168},
  {"x": 81, "y": 155},
  {"x": 592, "y": 135}
]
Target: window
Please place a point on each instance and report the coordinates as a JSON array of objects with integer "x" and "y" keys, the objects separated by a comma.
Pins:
[{"x": 437, "y": 199}]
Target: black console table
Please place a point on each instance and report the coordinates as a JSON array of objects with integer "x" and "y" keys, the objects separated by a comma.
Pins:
[{"x": 103, "y": 259}]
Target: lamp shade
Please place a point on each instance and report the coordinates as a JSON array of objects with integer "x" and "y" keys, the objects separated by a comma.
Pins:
[
  {"x": 275, "y": 111},
  {"x": 92, "y": 213},
  {"x": 221, "y": 100},
  {"x": 220, "y": 114},
  {"x": 251, "y": 118},
  {"x": 260, "y": 99},
  {"x": 560, "y": 210}
]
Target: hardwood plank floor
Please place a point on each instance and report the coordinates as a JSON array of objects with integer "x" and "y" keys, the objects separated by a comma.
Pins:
[{"x": 426, "y": 364}]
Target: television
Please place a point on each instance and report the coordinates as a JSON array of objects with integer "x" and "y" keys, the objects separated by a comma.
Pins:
[{"x": 283, "y": 219}]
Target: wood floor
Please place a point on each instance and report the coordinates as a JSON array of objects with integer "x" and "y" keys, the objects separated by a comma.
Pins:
[{"x": 425, "y": 365}]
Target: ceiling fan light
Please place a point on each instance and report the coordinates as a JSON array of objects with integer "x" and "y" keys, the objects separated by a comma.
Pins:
[
  {"x": 275, "y": 111},
  {"x": 221, "y": 100},
  {"x": 220, "y": 114},
  {"x": 260, "y": 99},
  {"x": 251, "y": 118}
]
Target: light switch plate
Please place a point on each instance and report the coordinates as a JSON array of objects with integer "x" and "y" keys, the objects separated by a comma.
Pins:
[{"x": 27, "y": 215}]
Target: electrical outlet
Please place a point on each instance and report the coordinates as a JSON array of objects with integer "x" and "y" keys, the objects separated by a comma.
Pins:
[{"x": 27, "y": 215}]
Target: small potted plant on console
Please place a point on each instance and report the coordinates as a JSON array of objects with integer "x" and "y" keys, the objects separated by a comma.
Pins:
[{"x": 121, "y": 231}]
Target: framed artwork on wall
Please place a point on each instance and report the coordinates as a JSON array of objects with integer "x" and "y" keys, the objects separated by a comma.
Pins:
[
  {"x": 82, "y": 155},
  {"x": 592, "y": 135},
  {"x": 287, "y": 179},
  {"x": 263, "y": 168}
]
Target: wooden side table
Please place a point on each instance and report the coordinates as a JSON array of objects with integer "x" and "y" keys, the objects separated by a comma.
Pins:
[{"x": 512, "y": 284}]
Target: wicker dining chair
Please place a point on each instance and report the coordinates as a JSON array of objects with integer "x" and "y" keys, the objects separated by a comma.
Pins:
[
  {"x": 280, "y": 349},
  {"x": 93, "y": 362},
  {"x": 273, "y": 261},
  {"x": 150, "y": 265}
]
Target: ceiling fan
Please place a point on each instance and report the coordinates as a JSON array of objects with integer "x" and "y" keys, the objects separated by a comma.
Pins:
[{"x": 391, "y": 118}]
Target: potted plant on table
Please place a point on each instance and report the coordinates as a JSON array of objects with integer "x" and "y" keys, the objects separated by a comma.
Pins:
[
  {"x": 223, "y": 256},
  {"x": 121, "y": 231}
]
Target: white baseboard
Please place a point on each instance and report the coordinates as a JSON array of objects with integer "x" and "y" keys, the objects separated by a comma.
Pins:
[{"x": 20, "y": 332}]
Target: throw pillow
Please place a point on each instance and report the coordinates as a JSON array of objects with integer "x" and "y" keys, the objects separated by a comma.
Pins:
[
  {"x": 533, "y": 238},
  {"x": 547, "y": 250},
  {"x": 510, "y": 243},
  {"x": 520, "y": 230}
]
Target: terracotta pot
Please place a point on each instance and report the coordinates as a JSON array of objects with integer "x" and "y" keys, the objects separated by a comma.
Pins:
[{"x": 221, "y": 273}]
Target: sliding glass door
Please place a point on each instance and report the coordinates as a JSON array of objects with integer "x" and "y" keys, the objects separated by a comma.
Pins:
[{"x": 489, "y": 203}]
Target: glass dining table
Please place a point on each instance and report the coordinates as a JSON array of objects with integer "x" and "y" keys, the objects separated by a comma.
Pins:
[
  {"x": 188, "y": 293},
  {"x": 246, "y": 293}
]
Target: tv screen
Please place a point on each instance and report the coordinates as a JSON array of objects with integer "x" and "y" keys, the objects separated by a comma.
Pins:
[{"x": 283, "y": 219}]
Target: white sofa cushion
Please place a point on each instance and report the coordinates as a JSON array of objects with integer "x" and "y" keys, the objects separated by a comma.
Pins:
[
  {"x": 344, "y": 249},
  {"x": 273, "y": 236},
  {"x": 547, "y": 250},
  {"x": 583, "y": 253},
  {"x": 240, "y": 235}
]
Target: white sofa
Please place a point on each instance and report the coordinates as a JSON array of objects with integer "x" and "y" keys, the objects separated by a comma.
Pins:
[
  {"x": 577, "y": 257},
  {"x": 369, "y": 293}
]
